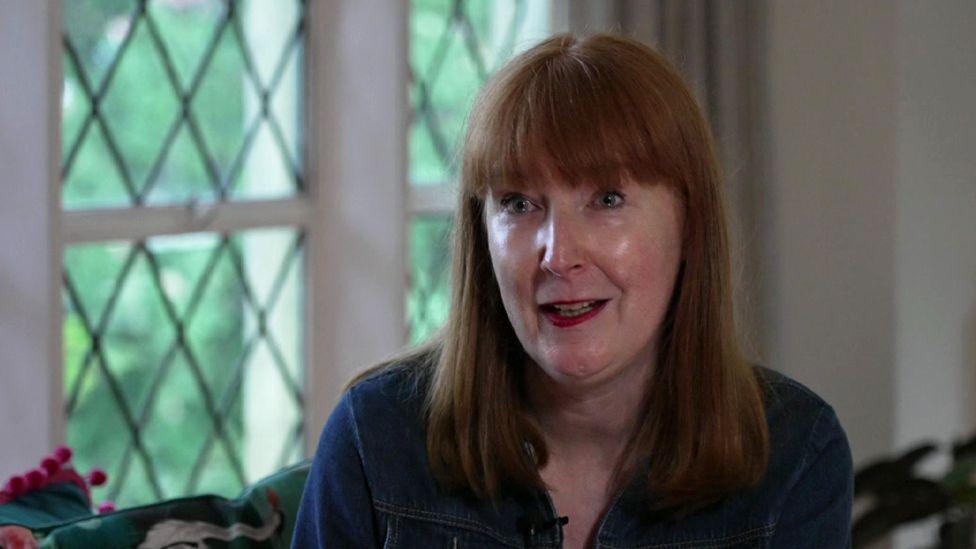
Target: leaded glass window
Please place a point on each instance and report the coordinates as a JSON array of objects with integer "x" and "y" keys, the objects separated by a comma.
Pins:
[
  {"x": 454, "y": 46},
  {"x": 183, "y": 346}
]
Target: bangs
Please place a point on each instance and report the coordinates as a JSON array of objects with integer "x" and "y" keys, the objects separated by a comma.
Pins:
[{"x": 567, "y": 119}]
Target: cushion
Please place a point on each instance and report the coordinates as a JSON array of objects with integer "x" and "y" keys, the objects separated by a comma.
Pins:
[{"x": 261, "y": 517}]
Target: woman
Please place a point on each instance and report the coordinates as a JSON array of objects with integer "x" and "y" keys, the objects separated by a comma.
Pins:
[{"x": 587, "y": 389}]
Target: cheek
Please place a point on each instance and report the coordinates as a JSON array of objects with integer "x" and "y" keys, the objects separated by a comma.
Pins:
[
  {"x": 497, "y": 235},
  {"x": 511, "y": 265},
  {"x": 506, "y": 257},
  {"x": 645, "y": 268}
]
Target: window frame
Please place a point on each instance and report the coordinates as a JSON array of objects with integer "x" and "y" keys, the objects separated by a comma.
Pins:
[{"x": 354, "y": 306}]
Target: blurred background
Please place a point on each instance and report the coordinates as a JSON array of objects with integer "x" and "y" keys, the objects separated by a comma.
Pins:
[{"x": 214, "y": 212}]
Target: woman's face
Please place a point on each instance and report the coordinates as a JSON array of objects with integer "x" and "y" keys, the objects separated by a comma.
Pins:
[{"x": 586, "y": 274}]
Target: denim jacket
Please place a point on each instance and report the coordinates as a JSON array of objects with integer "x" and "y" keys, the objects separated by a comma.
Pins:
[{"x": 371, "y": 486}]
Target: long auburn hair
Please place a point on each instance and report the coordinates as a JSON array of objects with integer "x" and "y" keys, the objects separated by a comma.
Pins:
[{"x": 595, "y": 109}]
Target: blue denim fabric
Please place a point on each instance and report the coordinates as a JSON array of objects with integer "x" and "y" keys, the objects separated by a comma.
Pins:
[{"x": 371, "y": 486}]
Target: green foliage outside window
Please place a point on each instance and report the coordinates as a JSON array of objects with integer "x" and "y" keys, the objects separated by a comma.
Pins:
[{"x": 178, "y": 314}]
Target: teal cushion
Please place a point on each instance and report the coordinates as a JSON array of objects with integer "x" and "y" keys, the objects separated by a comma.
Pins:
[
  {"x": 48, "y": 506},
  {"x": 262, "y": 517}
]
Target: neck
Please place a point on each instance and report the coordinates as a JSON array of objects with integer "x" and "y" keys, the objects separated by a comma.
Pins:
[{"x": 588, "y": 422}]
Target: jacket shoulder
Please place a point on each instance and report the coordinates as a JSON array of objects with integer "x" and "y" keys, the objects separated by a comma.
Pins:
[
  {"x": 397, "y": 385},
  {"x": 387, "y": 408},
  {"x": 801, "y": 425},
  {"x": 783, "y": 394},
  {"x": 810, "y": 475}
]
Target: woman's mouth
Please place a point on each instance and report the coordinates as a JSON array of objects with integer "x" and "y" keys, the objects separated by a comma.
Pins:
[{"x": 564, "y": 315}]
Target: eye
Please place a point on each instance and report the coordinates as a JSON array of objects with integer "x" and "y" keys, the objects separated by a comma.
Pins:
[
  {"x": 516, "y": 204},
  {"x": 610, "y": 200}
]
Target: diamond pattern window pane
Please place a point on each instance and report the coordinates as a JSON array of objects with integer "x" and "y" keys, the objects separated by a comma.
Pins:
[
  {"x": 176, "y": 381},
  {"x": 429, "y": 295},
  {"x": 183, "y": 363},
  {"x": 170, "y": 101},
  {"x": 454, "y": 46}
]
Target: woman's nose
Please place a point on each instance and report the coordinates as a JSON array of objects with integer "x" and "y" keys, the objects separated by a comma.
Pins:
[{"x": 563, "y": 245}]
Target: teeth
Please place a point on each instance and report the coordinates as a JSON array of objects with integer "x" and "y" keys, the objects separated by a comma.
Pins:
[{"x": 575, "y": 309}]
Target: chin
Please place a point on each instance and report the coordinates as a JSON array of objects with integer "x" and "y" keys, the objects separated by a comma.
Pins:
[{"x": 574, "y": 369}]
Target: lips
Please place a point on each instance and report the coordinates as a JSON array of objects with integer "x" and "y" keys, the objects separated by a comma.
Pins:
[{"x": 564, "y": 314}]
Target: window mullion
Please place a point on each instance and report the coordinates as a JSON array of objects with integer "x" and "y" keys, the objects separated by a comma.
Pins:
[
  {"x": 358, "y": 112},
  {"x": 30, "y": 247}
]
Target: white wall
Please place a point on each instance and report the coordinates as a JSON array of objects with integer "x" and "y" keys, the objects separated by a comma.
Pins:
[
  {"x": 828, "y": 274},
  {"x": 935, "y": 276},
  {"x": 869, "y": 267},
  {"x": 936, "y": 229}
]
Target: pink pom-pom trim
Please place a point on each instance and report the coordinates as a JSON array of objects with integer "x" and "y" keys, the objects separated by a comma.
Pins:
[
  {"x": 51, "y": 465},
  {"x": 53, "y": 468},
  {"x": 17, "y": 485},
  {"x": 63, "y": 453},
  {"x": 97, "y": 477},
  {"x": 106, "y": 507},
  {"x": 36, "y": 478}
]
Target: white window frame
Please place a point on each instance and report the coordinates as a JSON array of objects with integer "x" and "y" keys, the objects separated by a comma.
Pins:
[{"x": 356, "y": 202}]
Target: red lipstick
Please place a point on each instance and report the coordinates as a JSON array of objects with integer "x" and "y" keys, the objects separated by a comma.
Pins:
[{"x": 561, "y": 321}]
